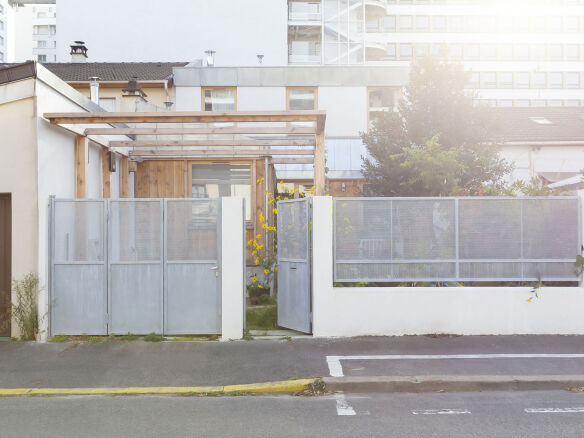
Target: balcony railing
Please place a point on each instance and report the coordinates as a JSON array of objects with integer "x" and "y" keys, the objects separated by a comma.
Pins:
[{"x": 304, "y": 11}]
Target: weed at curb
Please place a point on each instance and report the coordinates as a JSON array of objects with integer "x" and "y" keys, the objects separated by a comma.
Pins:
[
  {"x": 247, "y": 335},
  {"x": 153, "y": 337},
  {"x": 316, "y": 388},
  {"x": 58, "y": 338}
]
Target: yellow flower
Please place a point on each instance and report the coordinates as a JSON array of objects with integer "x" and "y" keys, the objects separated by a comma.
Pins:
[
  {"x": 260, "y": 286},
  {"x": 278, "y": 197},
  {"x": 249, "y": 243},
  {"x": 253, "y": 253},
  {"x": 264, "y": 226},
  {"x": 257, "y": 261},
  {"x": 275, "y": 269},
  {"x": 261, "y": 217},
  {"x": 275, "y": 210},
  {"x": 253, "y": 279},
  {"x": 259, "y": 236},
  {"x": 266, "y": 271}
]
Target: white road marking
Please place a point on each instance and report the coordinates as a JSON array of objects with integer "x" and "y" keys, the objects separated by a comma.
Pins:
[
  {"x": 336, "y": 369},
  {"x": 441, "y": 412},
  {"x": 343, "y": 406},
  {"x": 554, "y": 410}
]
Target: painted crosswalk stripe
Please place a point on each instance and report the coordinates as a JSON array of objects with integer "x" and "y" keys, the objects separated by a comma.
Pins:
[
  {"x": 343, "y": 406},
  {"x": 554, "y": 410},
  {"x": 441, "y": 412}
]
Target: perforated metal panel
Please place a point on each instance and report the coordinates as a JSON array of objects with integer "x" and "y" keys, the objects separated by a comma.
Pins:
[
  {"x": 78, "y": 272},
  {"x": 192, "y": 299},
  {"x": 135, "y": 266},
  {"x": 294, "y": 295},
  {"x": 456, "y": 239}
]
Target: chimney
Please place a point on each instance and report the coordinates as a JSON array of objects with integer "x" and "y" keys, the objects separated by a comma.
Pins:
[
  {"x": 94, "y": 89},
  {"x": 78, "y": 52}
]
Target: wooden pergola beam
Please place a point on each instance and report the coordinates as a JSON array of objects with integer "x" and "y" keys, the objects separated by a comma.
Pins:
[
  {"x": 81, "y": 166},
  {"x": 221, "y": 153},
  {"x": 292, "y": 161},
  {"x": 201, "y": 131},
  {"x": 228, "y": 142},
  {"x": 190, "y": 117}
]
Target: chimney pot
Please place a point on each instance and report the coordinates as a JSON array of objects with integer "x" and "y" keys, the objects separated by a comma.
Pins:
[{"x": 78, "y": 52}]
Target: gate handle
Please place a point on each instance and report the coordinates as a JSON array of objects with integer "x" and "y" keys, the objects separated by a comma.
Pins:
[
  {"x": 292, "y": 267},
  {"x": 214, "y": 268}
]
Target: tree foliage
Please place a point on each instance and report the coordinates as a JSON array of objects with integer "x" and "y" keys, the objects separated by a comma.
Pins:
[{"x": 437, "y": 143}]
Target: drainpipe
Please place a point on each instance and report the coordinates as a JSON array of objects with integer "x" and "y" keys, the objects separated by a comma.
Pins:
[{"x": 94, "y": 89}]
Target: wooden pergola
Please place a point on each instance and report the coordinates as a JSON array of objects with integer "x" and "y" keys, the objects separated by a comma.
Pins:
[{"x": 253, "y": 134}]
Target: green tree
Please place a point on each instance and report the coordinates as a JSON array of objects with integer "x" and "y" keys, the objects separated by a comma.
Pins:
[{"x": 437, "y": 143}]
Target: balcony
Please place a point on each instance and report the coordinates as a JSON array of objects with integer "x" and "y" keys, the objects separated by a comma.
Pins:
[{"x": 304, "y": 11}]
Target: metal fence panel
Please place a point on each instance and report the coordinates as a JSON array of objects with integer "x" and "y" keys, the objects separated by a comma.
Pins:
[
  {"x": 135, "y": 262},
  {"x": 456, "y": 239},
  {"x": 192, "y": 299},
  {"x": 78, "y": 302},
  {"x": 294, "y": 296}
]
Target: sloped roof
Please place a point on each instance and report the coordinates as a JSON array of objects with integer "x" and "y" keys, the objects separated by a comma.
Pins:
[
  {"x": 113, "y": 71},
  {"x": 541, "y": 124}
]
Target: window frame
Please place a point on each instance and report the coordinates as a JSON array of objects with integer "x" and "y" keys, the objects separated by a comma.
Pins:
[
  {"x": 203, "y": 89},
  {"x": 398, "y": 90},
  {"x": 288, "y": 89}
]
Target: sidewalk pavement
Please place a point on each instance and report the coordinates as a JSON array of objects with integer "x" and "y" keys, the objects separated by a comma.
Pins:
[{"x": 366, "y": 363}]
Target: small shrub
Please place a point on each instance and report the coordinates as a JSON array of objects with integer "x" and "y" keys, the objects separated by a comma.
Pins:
[
  {"x": 247, "y": 335},
  {"x": 58, "y": 338},
  {"x": 25, "y": 312},
  {"x": 264, "y": 318},
  {"x": 129, "y": 337},
  {"x": 153, "y": 337},
  {"x": 266, "y": 299}
]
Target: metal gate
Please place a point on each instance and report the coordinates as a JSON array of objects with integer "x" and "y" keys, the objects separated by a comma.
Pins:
[
  {"x": 294, "y": 265},
  {"x": 135, "y": 266}
]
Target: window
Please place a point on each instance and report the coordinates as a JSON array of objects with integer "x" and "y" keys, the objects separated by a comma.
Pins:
[
  {"x": 1, "y": 25},
  {"x": 41, "y": 15},
  {"x": 471, "y": 51},
  {"x": 389, "y": 23},
  {"x": 489, "y": 80},
  {"x": 439, "y": 23},
  {"x": 521, "y": 103},
  {"x": 219, "y": 99},
  {"x": 488, "y": 51},
  {"x": 382, "y": 99},
  {"x": 556, "y": 80},
  {"x": 219, "y": 180},
  {"x": 422, "y": 49},
  {"x": 538, "y": 51},
  {"x": 372, "y": 26},
  {"x": 41, "y": 44},
  {"x": 302, "y": 98},
  {"x": 556, "y": 52},
  {"x": 405, "y": 23},
  {"x": 506, "y": 51},
  {"x": 456, "y": 51},
  {"x": 488, "y": 23},
  {"x": 506, "y": 80},
  {"x": 504, "y": 103},
  {"x": 572, "y": 52},
  {"x": 42, "y": 58},
  {"x": 538, "y": 103},
  {"x": 555, "y": 103},
  {"x": 572, "y": 24},
  {"x": 1, "y": 40},
  {"x": 422, "y": 22},
  {"x": 521, "y": 80},
  {"x": 571, "y": 103},
  {"x": 522, "y": 51},
  {"x": 538, "y": 24},
  {"x": 406, "y": 51},
  {"x": 456, "y": 24},
  {"x": 573, "y": 80},
  {"x": 390, "y": 51},
  {"x": 40, "y": 30},
  {"x": 1, "y": 57},
  {"x": 539, "y": 80},
  {"x": 52, "y": 30},
  {"x": 556, "y": 24}
]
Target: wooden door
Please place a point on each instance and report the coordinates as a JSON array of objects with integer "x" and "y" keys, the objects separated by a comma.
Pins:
[{"x": 5, "y": 261}]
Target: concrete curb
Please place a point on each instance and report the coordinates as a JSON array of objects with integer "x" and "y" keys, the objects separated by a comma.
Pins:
[
  {"x": 452, "y": 383},
  {"x": 282, "y": 386}
]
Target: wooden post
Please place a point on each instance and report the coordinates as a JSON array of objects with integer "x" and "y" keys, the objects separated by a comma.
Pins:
[
  {"x": 81, "y": 151},
  {"x": 319, "y": 165},
  {"x": 125, "y": 178},
  {"x": 105, "y": 173}
]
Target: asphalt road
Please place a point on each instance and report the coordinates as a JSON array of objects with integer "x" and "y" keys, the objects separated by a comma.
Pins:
[
  {"x": 488, "y": 414},
  {"x": 138, "y": 363}
]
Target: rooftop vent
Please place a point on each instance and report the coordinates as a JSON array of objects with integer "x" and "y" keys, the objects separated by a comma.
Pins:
[
  {"x": 540, "y": 120},
  {"x": 78, "y": 51}
]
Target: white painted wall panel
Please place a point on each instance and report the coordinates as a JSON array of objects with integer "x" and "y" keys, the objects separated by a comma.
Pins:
[
  {"x": 346, "y": 109},
  {"x": 188, "y": 99}
]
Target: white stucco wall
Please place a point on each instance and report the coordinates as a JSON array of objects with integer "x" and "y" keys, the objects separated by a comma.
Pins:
[
  {"x": 188, "y": 99},
  {"x": 261, "y": 98},
  {"x": 424, "y": 310},
  {"x": 346, "y": 110},
  {"x": 232, "y": 269},
  {"x": 181, "y": 30}
]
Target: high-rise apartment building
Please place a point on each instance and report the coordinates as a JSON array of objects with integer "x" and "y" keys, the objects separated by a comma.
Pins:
[
  {"x": 30, "y": 30},
  {"x": 519, "y": 52}
]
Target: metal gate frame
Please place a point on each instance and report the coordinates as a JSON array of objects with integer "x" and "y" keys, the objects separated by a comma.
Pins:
[
  {"x": 305, "y": 325},
  {"x": 106, "y": 262}
]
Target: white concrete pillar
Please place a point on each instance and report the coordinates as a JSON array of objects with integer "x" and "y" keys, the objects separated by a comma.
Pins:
[
  {"x": 232, "y": 268},
  {"x": 322, "y": 260}
]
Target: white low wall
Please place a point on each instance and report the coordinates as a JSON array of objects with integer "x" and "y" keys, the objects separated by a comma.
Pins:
[
  {"x": 232, "y": 268},
  {"x": 424, "y": 310}
]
